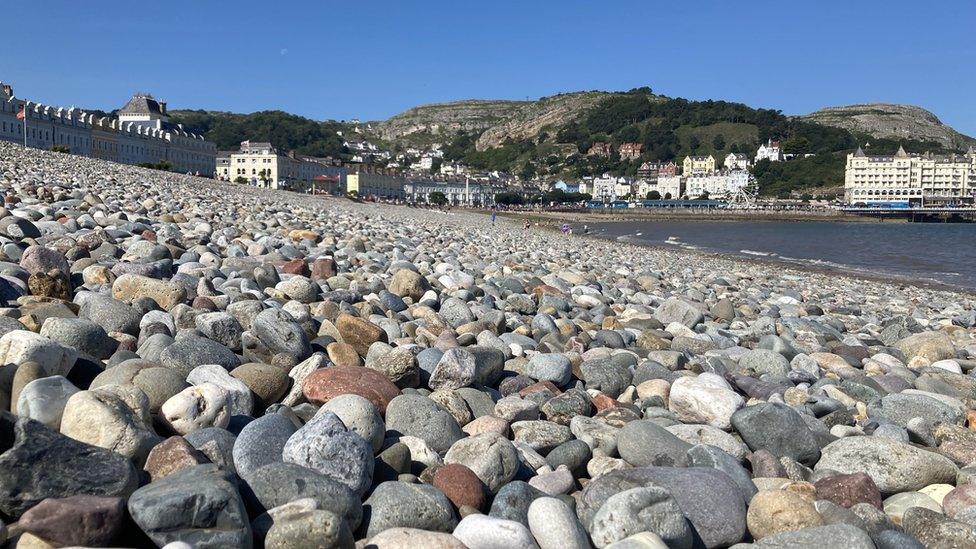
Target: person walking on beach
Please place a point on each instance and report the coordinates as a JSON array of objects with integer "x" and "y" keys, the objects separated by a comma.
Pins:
[
  {"x": 494, "y": 215},
  {"x": 525, "y": 226}
]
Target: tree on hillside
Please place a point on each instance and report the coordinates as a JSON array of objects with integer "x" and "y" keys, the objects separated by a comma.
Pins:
[
  {"x": 654, "y": 195},
  {"x": 694, "y": 143},
  {"x": 718, "y": 142}
]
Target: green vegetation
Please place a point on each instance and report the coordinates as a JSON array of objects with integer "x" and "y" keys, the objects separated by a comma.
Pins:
[
  {"x": 163, "y": 165},
  {"x": 60, "y": 149},
  {"x": 670, "y": 129},
  {"x": 437, "y": 198},
  {"x": 284, "y": 131}
]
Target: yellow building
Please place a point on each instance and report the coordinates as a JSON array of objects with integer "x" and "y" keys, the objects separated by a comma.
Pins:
[
  {"x": 259, "y": 164},
  {"x": 366, "y": 184},
  {"x": 698, "y": 165}
]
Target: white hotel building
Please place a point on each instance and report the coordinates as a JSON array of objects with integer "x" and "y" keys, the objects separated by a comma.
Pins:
[
  {"x": 141, "y": 135},
  {"x": 919, "y": 180}
]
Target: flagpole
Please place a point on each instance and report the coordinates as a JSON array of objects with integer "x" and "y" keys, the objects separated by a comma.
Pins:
[{"x": 25, "y": 123}]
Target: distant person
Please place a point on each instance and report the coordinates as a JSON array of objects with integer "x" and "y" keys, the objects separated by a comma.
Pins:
[
  {"x": 525, "y": 226},
  {"x": 494, "y": 216}
]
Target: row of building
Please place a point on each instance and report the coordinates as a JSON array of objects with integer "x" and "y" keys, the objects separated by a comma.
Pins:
[
  {"x": 142, "y": 133},
  {"x": 770, "y": 150},
  {"x": 911, "y": 179}
]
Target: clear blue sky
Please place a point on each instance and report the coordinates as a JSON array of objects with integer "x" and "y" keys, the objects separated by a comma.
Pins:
[{"x": 370, "y": 60}]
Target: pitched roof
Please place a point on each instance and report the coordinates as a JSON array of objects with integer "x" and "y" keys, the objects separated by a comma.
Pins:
[{"x": 141, "y": 104}]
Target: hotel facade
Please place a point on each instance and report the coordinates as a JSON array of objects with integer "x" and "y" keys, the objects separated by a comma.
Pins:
[
  {"x": 916, "y": 180},
  {"x": 142, "y": 134}
]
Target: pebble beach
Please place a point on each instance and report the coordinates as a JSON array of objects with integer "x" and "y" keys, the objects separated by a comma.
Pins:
[{"x": 187, "y": 363}]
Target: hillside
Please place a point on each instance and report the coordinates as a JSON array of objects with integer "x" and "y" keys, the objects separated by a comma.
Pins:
[
  {"x": 550, "y": 137},
  {"x": 893, "y": 122},
  {"x": 428, "y": 123},
  {"x": 283, "y": 130}
]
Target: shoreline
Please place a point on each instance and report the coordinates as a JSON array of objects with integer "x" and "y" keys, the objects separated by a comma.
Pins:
[
  {"x": 692, "y": 215},
  {"x": 550, "y": 223}
]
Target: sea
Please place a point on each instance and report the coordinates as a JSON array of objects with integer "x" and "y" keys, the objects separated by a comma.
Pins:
[{"x": 943, "y": 253}]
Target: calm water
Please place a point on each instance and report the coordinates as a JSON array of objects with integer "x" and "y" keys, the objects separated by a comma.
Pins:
[{"x": 920, "y": 251}]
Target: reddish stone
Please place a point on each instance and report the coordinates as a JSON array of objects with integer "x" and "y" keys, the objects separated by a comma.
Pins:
[
  {"x": 460, "y": 485},
  {"x": 958, "y": 499},
  {"x": 149, "y": 235},
  {"x": 323, "y": 384},
  {"x": 323, "y": 268},
  {"x": 295, "y": 267},
  {"x": 603, "y": 402},
  {"x": 849, "y": 490},
  {"x": 172, "y": 455},
  {"x": 88, "y": 521},
  {"x": 540, "y": 386}
]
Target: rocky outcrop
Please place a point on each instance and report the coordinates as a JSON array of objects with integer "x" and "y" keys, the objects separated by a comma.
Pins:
[{"x": 885, "y": 120}]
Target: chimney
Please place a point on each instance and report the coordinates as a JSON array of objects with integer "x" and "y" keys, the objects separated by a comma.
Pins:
[
  {"x": 7, "y": 90},
  {"x": 162, "y": 107}
]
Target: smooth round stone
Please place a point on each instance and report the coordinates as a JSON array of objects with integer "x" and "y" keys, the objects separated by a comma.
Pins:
[
  {"x": 280, "y": 334},
  {"x": 280, "y": 483},
  {"x": 776, "y": 511},
  {"x": 400, "y": 538},
  {"x": 554, "y": 483},
  {"x": 490, "y": 456},
  {"x": 706, "y": 434},
  {"x": 325, "y": 445},
  {"x": 541, "y": 436},
  {"x": 106, "y": 420},
  {"x": 645, "y": 509},
  {"x": 396, "y": 505},
  {"x": 160, "y": 384},
  {"x": 707, "y": 497},
  {"x": 552, "y": 367},
  {"x": 764, "y": 361},
  {"x": 554, "y": 525},
  {"x": 189, "y": 351},
  {"x": 216, "y": 444},
  {"x": 893, "y": 466},
  {"x": 197, "y": 407},
  {"x": 484, "y": 532},
  {"x": 779, "y": 429},
  {"x": 261, "y": 443},
  {"x": 81, "y": 334},
  {"x": 221, "y": 327},
  {"x": 317, "y": 528},
  {"x": 644, "y": 540},
  {"x": 833, "y": 535},
  {"x": 460, "y": 485},
  {"x": 421, "y": 417},
  {"x": 513, "y": 500},
  {"x": 326, "y": 383},
  {"x": 268, "y": 383},
  {"x": 360, "y": 416},
  {"x": 238, "y": 394},
  {"x": 644, "y": 442},
  {"x": 44, "y": 400},
  {"x": 895, "y": 506},
  {"x": 159, "y": 509},
  {"x": 20, "y": 346},
  {"x": 707, "y": 399}
]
